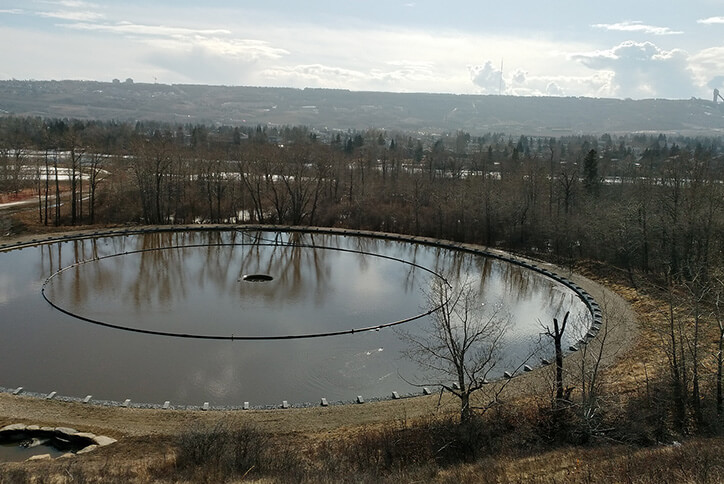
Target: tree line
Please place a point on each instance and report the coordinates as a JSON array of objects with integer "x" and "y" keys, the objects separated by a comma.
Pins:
[{"x": 640, "y": 202}]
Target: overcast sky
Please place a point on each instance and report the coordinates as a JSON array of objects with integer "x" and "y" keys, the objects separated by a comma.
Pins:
[{"x": 613, "y": 48}]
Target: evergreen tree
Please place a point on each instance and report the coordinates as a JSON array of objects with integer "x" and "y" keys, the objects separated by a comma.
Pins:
[{"x": 590, "y": 170}]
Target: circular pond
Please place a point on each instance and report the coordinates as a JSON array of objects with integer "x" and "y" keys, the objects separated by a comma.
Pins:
[{"x": 232, "y": 316}]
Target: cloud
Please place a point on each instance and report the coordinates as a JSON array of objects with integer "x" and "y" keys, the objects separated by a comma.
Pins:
[
  {"x": 12, "y": 11},
  {"x": 205, "y": 43},
  {"x": 487, "y": 78},
  {"x": 707, "y": 62},
  {"x": 72, "y": 15},
  {"x": 597, "y": 84},
  {"x": 144, "y": 29},
  {"x": 315, "y": 75},
  {"x": 637, "y": 26},
  {"x": 74, "y": 10},
  {"x": 716, "y": 82},
  {"x": 396, "y": 74},
  {"x": 644, "y": 70},
  {"x": 199, "y": 65},
  {"x": 711, "y": 20},
  {"x": 519, "y": 76},
  {"x": 553, "y": 89},
  {"x": 410, "y": 69},
  {"x": 70, "y": 3}
]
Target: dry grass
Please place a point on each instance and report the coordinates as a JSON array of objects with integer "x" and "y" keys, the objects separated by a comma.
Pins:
[
  {"x": 392, "y": 454},
  {"x": 699, "y": 461}
]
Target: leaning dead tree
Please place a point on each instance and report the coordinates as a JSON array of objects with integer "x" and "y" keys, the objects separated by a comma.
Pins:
[{"x": 462, "y": 344}]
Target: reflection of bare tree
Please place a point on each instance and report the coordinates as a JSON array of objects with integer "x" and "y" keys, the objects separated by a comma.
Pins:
[
  {"x": 160, "y": 274},
  {"x": 165, "y": 268},
  {"x": 519, "y": 283},
  {"x": 410, "y": 283},
  {"x": 295, "y": 260},
  {"x": 76, "y": 280}
]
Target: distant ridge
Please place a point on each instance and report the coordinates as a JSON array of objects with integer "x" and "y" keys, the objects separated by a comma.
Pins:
[{"x": 336, "y": 109}]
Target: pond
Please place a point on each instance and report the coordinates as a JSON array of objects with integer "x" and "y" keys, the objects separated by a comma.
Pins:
[{"x": 234, "y": 316}]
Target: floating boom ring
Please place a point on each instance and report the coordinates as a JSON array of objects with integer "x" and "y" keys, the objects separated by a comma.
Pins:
[{"x": 234, "y": 337}]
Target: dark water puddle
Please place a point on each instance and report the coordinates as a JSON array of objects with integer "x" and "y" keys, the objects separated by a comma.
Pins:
[{"x": 20, "y": 446}]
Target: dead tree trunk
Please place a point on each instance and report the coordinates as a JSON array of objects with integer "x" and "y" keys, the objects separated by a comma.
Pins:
[{"x": 557, "y": 336}]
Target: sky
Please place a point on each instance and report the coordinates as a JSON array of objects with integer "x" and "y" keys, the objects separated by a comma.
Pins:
[{"x": 612, "y": 49}]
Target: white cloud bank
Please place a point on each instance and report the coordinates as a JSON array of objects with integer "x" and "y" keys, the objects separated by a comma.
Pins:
[
  {"x": 487, "y": 78},
  {"x": 641, "y": 69}
]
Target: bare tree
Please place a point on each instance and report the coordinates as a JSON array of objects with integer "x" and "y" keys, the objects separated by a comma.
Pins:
[
  {"x": 96, "y": 173},
  {"x": 557, "y": 336},
  {"x": 462, "y": 344}
]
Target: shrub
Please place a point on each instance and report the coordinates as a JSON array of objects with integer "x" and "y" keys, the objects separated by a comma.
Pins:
[{"x": 214, "y": 453}]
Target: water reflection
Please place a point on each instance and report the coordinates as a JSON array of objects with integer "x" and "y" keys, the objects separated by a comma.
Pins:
[
  {"x": 192, "y": 282},
  {"x": 179, "y": 283}
]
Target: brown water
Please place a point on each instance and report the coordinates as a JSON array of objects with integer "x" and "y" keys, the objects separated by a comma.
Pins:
[{"x": 193, "y": 284}]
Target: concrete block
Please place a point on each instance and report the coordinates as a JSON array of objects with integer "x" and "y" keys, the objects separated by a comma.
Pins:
[
  {"x": 507, "y": 374},
  {"x": 360, "y": 399},
  {"x": 65, "y": 430},
  {"x": 205, "y": 406},
  {"x": 18, "y": 391},
  {"x": 127, "y": 402},
  {"x": 51, "y": 395},
  {"x": 13, "y": 427},
  {"x": 40, "y": 457},
  {"x": 285, "y": 404},
  {"x": 102, "y": 440},
  {"x": 85, "y": 450},
  {"x": 426, "y": 391},
  {"x": 395, "y": 395},
  {"x": 85, "y": 435},
  {"x": 87, "y": 398},
  {"x": 324, "y": 402},
  {"x": 527, "y": 368},
  {"x": 166, "y": 405},
  {"x": 246, "y": 406}
]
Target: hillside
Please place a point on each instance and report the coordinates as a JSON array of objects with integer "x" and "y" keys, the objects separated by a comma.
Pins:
[{"x": 341, "y": 109}]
